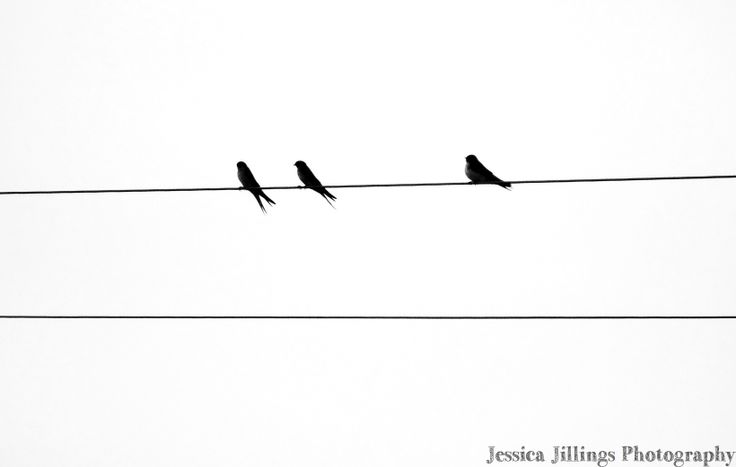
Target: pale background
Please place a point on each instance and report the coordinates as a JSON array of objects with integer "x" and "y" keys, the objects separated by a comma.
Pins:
[{"x": 173, "y": 93}]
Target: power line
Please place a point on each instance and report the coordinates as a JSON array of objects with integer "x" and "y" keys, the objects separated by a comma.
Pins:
[
  {"x": 376, "y": 317},
  {"x": 367, "y": 185}
]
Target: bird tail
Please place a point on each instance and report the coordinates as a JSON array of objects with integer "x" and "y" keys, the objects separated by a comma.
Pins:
[
  {"x": 328, "y": 196},
  {"x": 258, "y": 198},
  {"x": 269, "y": 200}
]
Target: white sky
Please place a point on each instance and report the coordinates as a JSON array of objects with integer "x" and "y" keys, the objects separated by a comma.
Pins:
[{"x": 174, "y": 93}]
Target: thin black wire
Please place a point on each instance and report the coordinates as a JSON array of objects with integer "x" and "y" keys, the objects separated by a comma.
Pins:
[
  {"x": 368, "y": 185},
  {"x": 373, "y": 317},
  {"x": 378, "y": 317}
]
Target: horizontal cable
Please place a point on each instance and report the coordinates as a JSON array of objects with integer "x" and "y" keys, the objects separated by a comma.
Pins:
[
  {"x": 368, "y": 185},
  {"x": 379, "y": 317}
]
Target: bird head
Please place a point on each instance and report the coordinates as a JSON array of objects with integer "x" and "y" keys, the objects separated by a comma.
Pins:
[
  {"x": 471, "y": 158},
  {"x": 241, "y": 165},
  {"x": 300, "y": 164}
]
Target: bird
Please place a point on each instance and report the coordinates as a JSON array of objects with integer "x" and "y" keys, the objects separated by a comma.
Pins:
[
  {"x": 249, "y": 183},
  {"x": 310, "y": 181},
  {"x": 477, "y": 173}
]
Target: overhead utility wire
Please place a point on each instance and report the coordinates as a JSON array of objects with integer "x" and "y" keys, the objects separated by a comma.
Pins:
[
  {"x": 369, "y": 185},
  {"x": 381, "y": 317}
]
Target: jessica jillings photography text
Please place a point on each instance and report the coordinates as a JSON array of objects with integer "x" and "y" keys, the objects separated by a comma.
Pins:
[{"x": 602, "y": 458}]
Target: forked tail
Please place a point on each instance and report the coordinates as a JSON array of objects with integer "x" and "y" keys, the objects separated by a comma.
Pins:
[{"x": 269, "y": 200}]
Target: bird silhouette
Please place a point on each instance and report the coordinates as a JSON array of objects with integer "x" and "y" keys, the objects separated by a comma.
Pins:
[
  {"x": 477, "y": 173},
  {"x": 249, "y": 183},
  {"x": 310, "y": 181}
]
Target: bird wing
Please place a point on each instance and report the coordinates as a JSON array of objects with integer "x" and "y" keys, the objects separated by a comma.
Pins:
[
  {"x": 247, "y": 179},
  {"x": 481, "y": 169},
  {"x": 308, "y": 178}
]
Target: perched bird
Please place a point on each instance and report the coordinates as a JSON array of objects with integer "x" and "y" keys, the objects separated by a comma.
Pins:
[
  {"x": 309, "y": 180},
  {"x": 477, "y": 173},
  {"x": 249, "y": 182}
]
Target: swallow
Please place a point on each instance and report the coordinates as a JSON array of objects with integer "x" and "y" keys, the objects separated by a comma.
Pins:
[
  {"x": 477, "y": 173},
  {"x": 310, "y": 181},
  {"x": 249, "y": 183}
]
